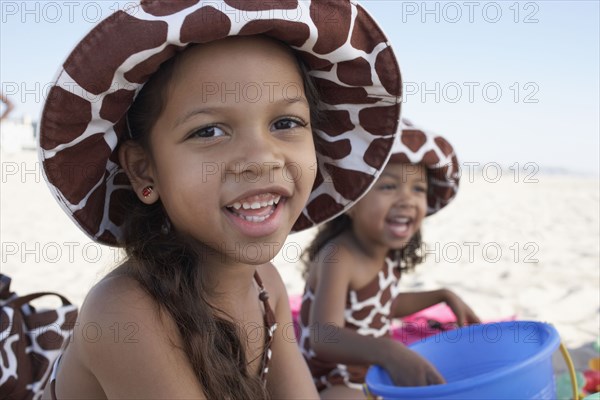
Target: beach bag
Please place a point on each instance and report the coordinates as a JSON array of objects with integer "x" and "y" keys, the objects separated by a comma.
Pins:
[{"x": 30, "y": 341}]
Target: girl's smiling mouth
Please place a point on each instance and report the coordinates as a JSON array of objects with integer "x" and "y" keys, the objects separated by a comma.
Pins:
[
  {"x": 256, "y": 208},
  {"x": 399, "y": 226},
  {"x": 257, "y": 215}
]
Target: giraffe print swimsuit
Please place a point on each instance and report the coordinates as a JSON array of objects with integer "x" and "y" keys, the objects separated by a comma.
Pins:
[
  {"x": 270, "y": 326},
  {"x": 367, "y": 312}
]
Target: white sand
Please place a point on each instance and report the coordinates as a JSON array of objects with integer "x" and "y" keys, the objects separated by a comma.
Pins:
[{"x": 541, "y": 241}]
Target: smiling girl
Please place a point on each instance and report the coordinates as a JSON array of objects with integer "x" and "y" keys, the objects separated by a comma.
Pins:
[
  {"x": 355, "y": 261},
  {"x": 213, "y": 132}
]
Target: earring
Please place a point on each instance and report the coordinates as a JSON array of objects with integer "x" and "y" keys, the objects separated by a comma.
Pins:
[{"x": 147, "y": 191}]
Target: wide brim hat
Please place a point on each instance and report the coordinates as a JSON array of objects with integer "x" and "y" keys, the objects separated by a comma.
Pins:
[
  {"x": 417, "y": 146},
  {"x": 84, "y": 117}
]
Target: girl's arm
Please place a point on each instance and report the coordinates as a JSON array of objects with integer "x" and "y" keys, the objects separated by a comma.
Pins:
[
  {"x": 412, "y": 302},
  {"x": 288, "y": 377},
  {"x": 129, "y": 348},
  {"x": 333, "y": 342}
]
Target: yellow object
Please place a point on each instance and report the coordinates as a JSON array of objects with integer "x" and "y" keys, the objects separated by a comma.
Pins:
[
  {"x": 567, "y": 357},
  {"x": 367, "y": 392},
  {"x": 594, "y": 364}
]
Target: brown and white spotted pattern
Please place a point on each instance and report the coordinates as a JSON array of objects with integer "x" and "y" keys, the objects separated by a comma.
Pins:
[
  {"x": 367, "y": 312},
  {"x": 417, "y": 146},
  {"x": 348, "y": 55},
  {"x": 30, "y": 343},
  {"x": 270, "y": 327}
]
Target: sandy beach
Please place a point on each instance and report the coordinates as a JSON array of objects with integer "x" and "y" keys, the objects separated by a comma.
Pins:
[{"x": 523, "y": 244}]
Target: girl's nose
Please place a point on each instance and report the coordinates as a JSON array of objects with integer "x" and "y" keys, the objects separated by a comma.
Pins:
[
  {"x": 258, "y": 154},
  {"x": 404, "y": 197}
]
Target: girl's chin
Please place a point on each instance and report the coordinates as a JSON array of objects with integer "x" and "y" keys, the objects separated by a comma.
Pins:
[
  {"x": 253, "y": 253},
  {"x": 399, "y": 243}
]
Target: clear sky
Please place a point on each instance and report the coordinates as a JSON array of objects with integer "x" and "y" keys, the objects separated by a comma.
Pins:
[{"x": 505, "y": 81}]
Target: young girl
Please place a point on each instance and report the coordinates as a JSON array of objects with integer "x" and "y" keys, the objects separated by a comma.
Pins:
[
  {"x": 354, "y": 265},
  {"x": 186, "y": 132}
]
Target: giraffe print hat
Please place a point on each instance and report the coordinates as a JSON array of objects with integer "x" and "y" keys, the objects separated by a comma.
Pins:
[
  {"x": 416, "y": 146},
  {"x": 347, "y": 54}
]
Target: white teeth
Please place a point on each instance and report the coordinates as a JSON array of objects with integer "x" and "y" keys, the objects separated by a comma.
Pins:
[
  {"x": 256, "y": 219},
  {"x": 256, "y": 204}
]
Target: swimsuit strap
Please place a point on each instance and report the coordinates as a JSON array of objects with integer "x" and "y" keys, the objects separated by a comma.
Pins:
[
  {"x": 270, "y": 325},
  {"x": 264, "y": 297}
]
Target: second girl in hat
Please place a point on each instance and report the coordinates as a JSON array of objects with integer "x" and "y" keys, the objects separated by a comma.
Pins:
[{"x": 352, "y": 291}]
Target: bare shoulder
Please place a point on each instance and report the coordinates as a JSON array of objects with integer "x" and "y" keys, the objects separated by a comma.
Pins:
[
  {"x": 130, "y": 345},
  {"x": 334, "y": 259},
  {"x": 118, "y": 311},
  {"x": 116, "y": 290},
  {"x": 117, "y": 297}
]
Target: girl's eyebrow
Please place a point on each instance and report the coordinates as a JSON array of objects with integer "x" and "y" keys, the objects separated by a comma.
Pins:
[
  {"x": 300, "y": 99},
  {"x": 213, "y": 110},
  {"x": 192, "y": 113},
  {"x": 389, "y": 175}
]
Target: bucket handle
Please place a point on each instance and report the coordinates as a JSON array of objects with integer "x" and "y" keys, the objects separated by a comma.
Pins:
[
  {"x": 571, "y": 368},
  {"x": 568, "y": 361},
  {"x": 367, "y": 392}
]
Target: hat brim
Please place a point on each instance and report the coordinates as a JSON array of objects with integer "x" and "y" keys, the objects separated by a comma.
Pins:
[
  {"x": 417, "y": 146},
  {"x": 347, "y": 54}
]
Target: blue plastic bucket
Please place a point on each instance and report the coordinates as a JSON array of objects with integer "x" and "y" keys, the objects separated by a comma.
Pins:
[{"x": 507, "y": 360}]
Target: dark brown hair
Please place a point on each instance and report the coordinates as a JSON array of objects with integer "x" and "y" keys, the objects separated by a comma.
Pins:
[{"x": 168, "y": 266}]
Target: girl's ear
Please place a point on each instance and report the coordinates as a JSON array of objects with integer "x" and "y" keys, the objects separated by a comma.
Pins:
[{"x": 138, "y": 167}]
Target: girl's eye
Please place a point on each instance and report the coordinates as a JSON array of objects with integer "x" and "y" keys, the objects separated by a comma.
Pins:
[
  {"x": 207, "y": 132},
  {"x": 421, "y": 189},
  {"x": 387, "y": 187},
  {"x": 288, "y": 123}
]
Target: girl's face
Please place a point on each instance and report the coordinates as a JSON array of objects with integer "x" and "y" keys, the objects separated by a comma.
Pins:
[
  {"x": 393, "y": 210},
  {"x": 233, "y": 154}
]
